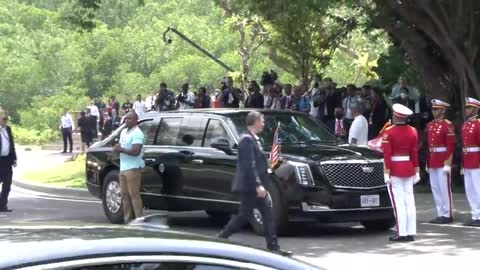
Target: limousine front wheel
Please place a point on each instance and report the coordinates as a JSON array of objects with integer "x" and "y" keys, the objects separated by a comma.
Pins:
[
  {"x": 112, "y": 198},
  {"x": 279, "y": 213}
]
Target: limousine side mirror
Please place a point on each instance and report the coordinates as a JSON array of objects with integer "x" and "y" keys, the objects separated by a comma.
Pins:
[{"x": 222, "y": 145}]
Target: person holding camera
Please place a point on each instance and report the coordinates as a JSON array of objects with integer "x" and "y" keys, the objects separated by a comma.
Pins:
[
  {"x": 231, "y": 96},
  {"x": 165, "y": 99},
  {"x": 185, "y": 100}
]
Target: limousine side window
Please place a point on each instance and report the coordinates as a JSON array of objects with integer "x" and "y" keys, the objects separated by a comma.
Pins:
[
  {"x": 149, "y": 128},
  {"x": 215, "y": 131},
  {"x": 192, "y": 131},
  {"x": 168, "y": 131}
]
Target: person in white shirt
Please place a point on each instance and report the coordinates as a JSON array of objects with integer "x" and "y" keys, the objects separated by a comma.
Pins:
[
  {"x": 150, "y": 102},
  {"x": 312, "y": 94},
  {"x": 67, "y": 126},
  {"x": 350, "y": 99},
  {"x": 94, "y": 110},
  {"x": 358, "y": 133},
  {"x": 139, "y": 106},
  {"x": 95, "y": 113},
  {"x": 185, "y": 100}
]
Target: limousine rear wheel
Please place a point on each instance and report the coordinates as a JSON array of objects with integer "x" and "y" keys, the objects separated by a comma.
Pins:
[
  {"x": 112, "y": 198},
  {"x": 279, "y": 213}
]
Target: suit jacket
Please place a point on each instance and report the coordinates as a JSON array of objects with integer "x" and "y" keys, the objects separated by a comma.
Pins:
[
  {"x": 255, "y": 100},
  {"x": 291, "y": 104},
  {"x": 252, "y": 166},
  {"x": 12, "y": 156}
]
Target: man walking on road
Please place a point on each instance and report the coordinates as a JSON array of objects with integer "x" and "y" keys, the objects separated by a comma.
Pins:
[
  {"x": 131, "y": 167},
  {"x": 471, "y": 159},
  {"x": 400, "y": 151},
  {"x": 441, "y": 143},
  {"x": 67, "y": 126},
  {"x": 250, "y": 181},
  {"x": 8, "y": 158}
]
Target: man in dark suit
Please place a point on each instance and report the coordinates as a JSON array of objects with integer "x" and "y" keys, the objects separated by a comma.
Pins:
[
  {"x": 8, "y": 158},
  {"x": 250, "y": 181},
  {"x": 338, "y": 125}
]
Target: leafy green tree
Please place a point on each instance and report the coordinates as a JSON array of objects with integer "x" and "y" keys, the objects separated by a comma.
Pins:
[{"x": 305, "y": 33}]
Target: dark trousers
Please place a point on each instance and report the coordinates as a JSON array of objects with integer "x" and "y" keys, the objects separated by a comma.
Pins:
[
  {"x": 245, "y": 213},
  {"x": 6, "y": 180},
  {"x": 67, "y": 135},
  {"x": 95, "y": 130}
]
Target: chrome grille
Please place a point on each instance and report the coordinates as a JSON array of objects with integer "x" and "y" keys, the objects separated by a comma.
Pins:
[{"x": 349, "y": 174}]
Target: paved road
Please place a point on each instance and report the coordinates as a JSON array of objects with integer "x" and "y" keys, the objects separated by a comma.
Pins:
[{"x": 341, "y": 246}]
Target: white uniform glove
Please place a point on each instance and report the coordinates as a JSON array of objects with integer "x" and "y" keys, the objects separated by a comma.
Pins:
[
  {"x": 387, "y": 179},
  {"x": 417, "y": 178},
  {"x": 447, "y": 168}
]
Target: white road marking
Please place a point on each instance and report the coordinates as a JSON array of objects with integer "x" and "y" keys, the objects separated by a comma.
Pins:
[
  {"x": 451, "y": 225},
  {"x": 20, "y": 192}
]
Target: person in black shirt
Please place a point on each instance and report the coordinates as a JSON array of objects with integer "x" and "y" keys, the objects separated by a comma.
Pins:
[
  {"x": 114, "y": 103},
  {"x": 165, "y": 99},
  {"x": 86, "y": 133},
  {"x": 255, "y": 99},
  {"x": 378, "y": 114},
  {"x": 231, "y": 96},
  {"x": 127, "y": 106},
  {"x": 406, "y": 101},
  {"x": 203, "y": 100}
]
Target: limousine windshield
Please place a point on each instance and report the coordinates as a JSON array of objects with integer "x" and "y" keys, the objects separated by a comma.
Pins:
[{"x": 295, "y": 128}]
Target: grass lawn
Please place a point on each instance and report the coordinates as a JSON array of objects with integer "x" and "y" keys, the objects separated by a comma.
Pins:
[{"x": 68, "y": 174}]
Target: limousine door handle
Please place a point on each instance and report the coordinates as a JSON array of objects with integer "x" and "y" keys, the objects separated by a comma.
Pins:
[
  {"x": 150, "y": 160},
  {"x": 197, "y": 161}
]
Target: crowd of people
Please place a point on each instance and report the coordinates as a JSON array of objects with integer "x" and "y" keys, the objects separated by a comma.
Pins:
[{"x": 336, "y": 107}]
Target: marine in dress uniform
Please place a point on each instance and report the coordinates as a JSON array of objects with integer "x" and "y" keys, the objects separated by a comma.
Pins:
[
  {"x": 471, "y": 159},
  {"x": 441, "y": 143},
  {"x": 401, "y": 172}
]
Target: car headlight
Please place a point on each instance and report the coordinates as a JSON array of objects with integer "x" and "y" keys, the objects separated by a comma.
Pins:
[{"x": 302, "y": 173}]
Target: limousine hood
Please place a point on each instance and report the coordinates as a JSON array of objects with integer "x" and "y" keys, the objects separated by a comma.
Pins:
[{"x": 322, "y": 152}]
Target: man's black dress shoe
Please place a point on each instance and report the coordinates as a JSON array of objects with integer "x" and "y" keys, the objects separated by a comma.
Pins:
[
  {"x": 5, "y": 210},
  {"x": 442, "y": 220},
  {"x": 281, "y": 252},
  {"x": 397, "y": 238}
]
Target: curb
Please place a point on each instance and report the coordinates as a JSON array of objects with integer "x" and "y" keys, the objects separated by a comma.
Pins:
[{"x": 55, "y": 191}]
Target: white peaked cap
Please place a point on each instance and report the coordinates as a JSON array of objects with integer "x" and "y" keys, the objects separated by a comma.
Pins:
[{"x": 401, "y": 110}]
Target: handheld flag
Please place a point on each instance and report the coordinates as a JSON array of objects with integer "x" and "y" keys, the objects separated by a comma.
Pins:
[{"x": 376, "y": 143}]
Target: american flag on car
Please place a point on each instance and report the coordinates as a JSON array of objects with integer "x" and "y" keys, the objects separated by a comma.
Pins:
[{"x": 275, "y": 152}]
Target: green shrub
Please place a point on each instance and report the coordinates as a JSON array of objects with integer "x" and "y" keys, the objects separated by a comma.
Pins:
[
  {"x": 32, "y": 136},
  {"x": 47, "y": 111}
]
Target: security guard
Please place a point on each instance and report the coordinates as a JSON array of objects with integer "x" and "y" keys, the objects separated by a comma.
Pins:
[
  {"x": 471, "y": 159},
  {"x": 441, "y": 143},
  {"x": 401, "y": 172}
]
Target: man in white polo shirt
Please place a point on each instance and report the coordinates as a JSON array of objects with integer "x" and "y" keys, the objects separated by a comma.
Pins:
[
  {"x": 358, "y": 133},
  {"x": 67, "y": 126}
]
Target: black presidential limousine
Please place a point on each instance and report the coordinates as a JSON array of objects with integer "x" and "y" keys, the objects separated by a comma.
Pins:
[{"x": 190, "y": 159}]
